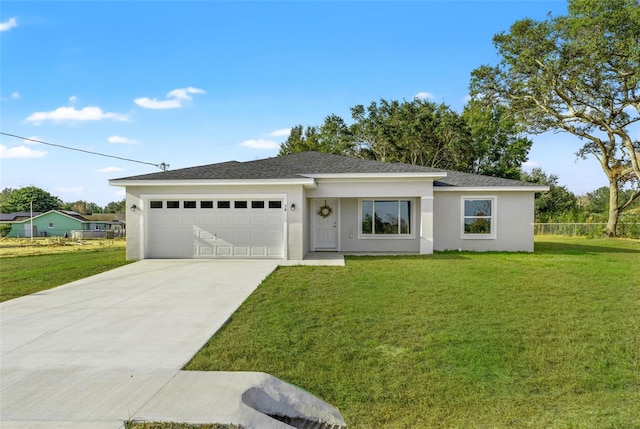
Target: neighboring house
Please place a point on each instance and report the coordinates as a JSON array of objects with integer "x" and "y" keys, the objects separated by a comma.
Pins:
[
  {"x": 54, "y": 223},
  {"x": 287, "y": 206},
  {"x": 115, "y": 222}
]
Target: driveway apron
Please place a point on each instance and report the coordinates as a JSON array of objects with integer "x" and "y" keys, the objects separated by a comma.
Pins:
[{"x": 93, "y": 352}]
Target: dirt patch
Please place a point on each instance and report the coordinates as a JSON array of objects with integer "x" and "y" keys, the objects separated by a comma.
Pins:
[{"x": 12, "y": 247}]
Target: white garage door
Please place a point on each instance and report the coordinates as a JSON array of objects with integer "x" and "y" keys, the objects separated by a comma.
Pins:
[{"x": 230, "y": 228}]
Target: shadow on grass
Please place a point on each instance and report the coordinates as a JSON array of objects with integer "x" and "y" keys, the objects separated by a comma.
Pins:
[
  {"x": 454, "y": 255},
  {"x": 581, "y": 249}
]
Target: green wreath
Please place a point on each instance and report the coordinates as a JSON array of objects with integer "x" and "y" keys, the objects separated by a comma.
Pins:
[{"x": 325, "y": 211}]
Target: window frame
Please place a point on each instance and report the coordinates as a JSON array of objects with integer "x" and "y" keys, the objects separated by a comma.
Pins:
[
  {"x": 399, "y": 236},
  {"x": 492, "y": 235}
]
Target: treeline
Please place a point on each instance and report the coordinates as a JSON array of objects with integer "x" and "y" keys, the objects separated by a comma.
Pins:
[
  {"x": 20, "y": 200},
  {"x": 559, "y": 205},
  {"x": 482, "y": 139}
]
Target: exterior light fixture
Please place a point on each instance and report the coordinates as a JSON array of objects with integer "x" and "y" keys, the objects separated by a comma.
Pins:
[
  {"x": 293, "y": 207},
  {"x": 133, "y": 208}
]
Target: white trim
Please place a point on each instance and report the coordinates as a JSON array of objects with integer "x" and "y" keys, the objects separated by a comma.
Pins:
[
  {"x": 378, "y": 176},
  {"x": 490, "y": 188},
  {"x": 212, "y": 182},
  {"x": 494, "y": 217},
  {"x": 412, "y": 220}
]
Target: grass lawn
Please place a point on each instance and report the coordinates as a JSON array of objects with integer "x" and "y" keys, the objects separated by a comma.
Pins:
[
  {"x": 462, "y": 340},
  {"x": 29, "y": 269}
]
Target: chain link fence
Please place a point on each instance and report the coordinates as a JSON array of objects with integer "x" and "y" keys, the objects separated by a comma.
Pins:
[{"x": 625, "y": 229}]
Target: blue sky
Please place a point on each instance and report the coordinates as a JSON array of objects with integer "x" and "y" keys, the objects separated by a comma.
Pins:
[{"x": 192, "y": 83}]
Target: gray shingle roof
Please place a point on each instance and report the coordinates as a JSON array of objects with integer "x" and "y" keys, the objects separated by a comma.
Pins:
[{"x": 309, "y": 163}]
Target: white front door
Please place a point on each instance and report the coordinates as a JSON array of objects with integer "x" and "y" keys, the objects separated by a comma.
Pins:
[{"x": 325, "y": 224}]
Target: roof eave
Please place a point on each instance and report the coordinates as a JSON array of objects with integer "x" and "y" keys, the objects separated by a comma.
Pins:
[
  {"x": 451, "y": 188},
  {"x": 212, "y": 182},
  {"x": 384, "y": 175}
]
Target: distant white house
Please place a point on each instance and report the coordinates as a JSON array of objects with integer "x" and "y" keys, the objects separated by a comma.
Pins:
[{"x": 287, "y": 206}]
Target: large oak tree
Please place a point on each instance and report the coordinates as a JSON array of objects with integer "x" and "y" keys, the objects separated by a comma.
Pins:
[
  {"x": 579, "y": 74},
  {"x": 481, "y": 140}
]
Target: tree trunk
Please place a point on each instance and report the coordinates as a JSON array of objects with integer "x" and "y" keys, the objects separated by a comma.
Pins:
[{"x": 614, "y": 210}]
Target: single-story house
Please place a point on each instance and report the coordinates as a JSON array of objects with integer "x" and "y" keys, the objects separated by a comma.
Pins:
[
  {"x": 54, "y": 223},
  {"x": 285, "y": 207}
]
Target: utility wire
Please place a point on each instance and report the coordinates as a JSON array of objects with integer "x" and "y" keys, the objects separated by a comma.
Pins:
[{"x": 163, "y": 166}]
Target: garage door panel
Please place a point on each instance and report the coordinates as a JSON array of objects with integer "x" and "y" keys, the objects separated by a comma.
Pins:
[{"x": 216, "y": 233}]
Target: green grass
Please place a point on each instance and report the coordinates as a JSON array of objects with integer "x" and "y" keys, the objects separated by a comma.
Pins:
[
  {"x": 24, "y": 275},
  {"x": 455, "y": 340}
]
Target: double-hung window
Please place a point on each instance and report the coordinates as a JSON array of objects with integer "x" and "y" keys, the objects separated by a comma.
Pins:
[
  {"x": 478, "y": 217},
  {"x": 386, "y": 218}
]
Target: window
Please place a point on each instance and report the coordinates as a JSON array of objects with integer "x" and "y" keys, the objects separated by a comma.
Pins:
[
  {"x": 206, "y": 204},
  {"x": 189, "y": 204},
  {"x": 156, "y": 204},
  {"x": 239, "y": 204},
  {"x": 173, "y": 204},
  {"x": 275, "y": 204},
  {"x": 50, "y": 224},
  {"x": 478, "y": 217},
  {"x": 257, "y": 204},
  {"x": 386, "y": 217},
  {"x": 224, "y": 204}
]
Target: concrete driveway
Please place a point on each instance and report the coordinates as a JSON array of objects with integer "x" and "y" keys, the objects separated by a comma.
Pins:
[{"x": 96, "y": 352}]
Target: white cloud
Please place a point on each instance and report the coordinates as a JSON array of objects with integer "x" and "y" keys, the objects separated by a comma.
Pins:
[
  {"x": 260, "y": 144},
  {"x": 89, "y": 113},
  {"x": 174, "y": 99},
  {"x": 121, "y": 140},
  {"x": 121, "y": 194},
  {"x": 530, "y": 164},
  {"x": 281, "y": 133},
  {"x": 20, "y": 152},
  {"x": 183, "y": 93},
  {"x": 109, "y": 169},
  {"x": 8, "y": 25},
  {"x": 466, "y": 99},
  {"x": 424, "y": 96},
  {"x": 73, "y": 99},
  {"x": 154, "y": 103},
  {"x": 74, "y": 190},
  {"x": 15, "y": 95}
]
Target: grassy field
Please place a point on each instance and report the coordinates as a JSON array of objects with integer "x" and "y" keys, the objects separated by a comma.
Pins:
[
  {"x": 455, "y": 340},
  {"x": 26, "y": 268}
]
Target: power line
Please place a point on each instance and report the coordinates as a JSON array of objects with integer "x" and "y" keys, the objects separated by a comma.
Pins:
[{"x": 163, "y": 166}]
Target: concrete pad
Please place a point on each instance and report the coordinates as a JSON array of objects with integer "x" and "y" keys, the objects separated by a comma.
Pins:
[
  {"x": 153, "y": 314},
  {"x": 108, "y": 348},
  {"x": 73, "y": 394}
]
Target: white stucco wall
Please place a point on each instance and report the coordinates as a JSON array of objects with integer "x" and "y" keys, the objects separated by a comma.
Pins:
[
  {"x": 514, "y": 222},
  {"x": 140, "y": 195},
  {"x": 351, "y": 190}
]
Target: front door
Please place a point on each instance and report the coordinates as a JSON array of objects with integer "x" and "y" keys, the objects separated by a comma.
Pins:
[{"x": 325, "y": 229}]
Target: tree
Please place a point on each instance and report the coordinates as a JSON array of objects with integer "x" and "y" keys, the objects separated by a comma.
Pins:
[
  {"x": 19, "y": 200},
  {"x": 499, "y": 147},
  {"x": 556, "y": 201},
  {"x": 579, "y": 74},
  {"x": 83, "y": 207},
  {"x": 115, "y": 207},
  {"x": 481, "y": 140},
  {"x": 598, "y": 201}
]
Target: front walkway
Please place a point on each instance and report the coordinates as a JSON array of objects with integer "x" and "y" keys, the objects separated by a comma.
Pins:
[{"x": 94, "y": 353}]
